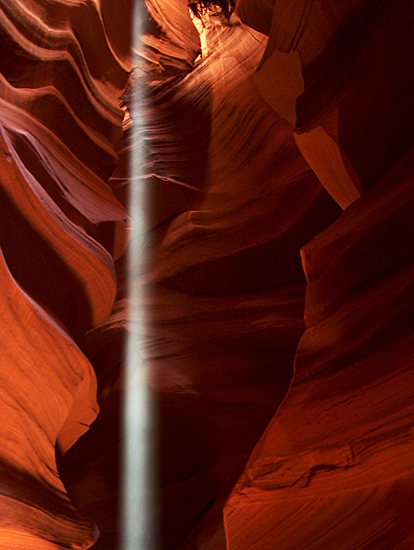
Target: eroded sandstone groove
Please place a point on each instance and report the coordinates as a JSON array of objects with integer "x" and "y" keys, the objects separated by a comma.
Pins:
[{"x": 276, "y": 273}]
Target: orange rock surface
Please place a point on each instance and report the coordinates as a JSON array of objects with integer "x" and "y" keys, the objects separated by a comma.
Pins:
[
  {"x": 277, "y": 170},
  {"x": 60, "y": 121}
]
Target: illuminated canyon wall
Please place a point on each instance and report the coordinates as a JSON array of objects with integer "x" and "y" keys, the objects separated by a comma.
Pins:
[
  {"x": 64, "y": 66},
  {"x": 277, "y": 271}
]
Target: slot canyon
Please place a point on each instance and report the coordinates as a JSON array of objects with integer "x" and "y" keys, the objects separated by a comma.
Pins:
[{"x": 270, "y": 305}]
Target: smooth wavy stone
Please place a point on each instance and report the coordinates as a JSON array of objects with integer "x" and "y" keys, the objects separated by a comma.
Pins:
[
  {"x": 170, "y": 42},
  {"x": 54, "y": 260},
  {"x": 207, "y": 422},
  {"x": 92, "y": 469},
  {"x": 48, "y": 398},
  {"x": 355, "y": 59},
  {"x": 64, "y": 67},
  {"x": 261, "y": 201},
  {"x": 334, "y": 467},
  {"x": 51, "y": 70},
  {"x": 218, "y": 367}
]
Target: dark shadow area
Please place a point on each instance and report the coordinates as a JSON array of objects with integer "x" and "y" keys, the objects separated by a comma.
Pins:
[
  {"x": 41, "y": 272},
  {"x": 19, "y": 492}
]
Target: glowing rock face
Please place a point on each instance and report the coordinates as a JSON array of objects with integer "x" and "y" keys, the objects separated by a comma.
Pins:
[
  {"x": 60, "y": 119},
  {"x": 334, "y": 467},
  {"x": 334, "y": 102},
  {"x": 337, "y": 457},
  {"x": 278, "y": 327}
]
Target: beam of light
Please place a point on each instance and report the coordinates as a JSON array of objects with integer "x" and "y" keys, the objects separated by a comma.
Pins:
[{"x": 137, "y": 521}]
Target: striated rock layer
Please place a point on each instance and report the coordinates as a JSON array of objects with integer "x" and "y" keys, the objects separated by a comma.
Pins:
[
  {"x": 277, "y": 271},
  {"x": 334, "y": 467},
  {"x": 60, "y": 119},
  {"x": 233, "y": 203}
]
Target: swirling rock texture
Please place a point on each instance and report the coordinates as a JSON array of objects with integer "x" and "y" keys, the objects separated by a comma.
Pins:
[
  {"x": 278, "y": 165},
  {"x": 334, "y": 467},
  {"x": 61, "y": 227}
]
